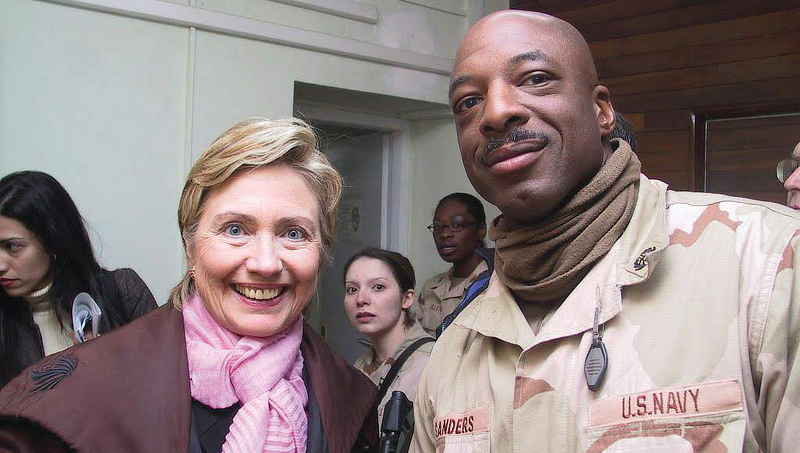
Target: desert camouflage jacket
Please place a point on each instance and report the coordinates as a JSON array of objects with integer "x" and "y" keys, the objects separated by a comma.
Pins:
[
  {"x": 699, "y": 313},
  {"x": 441, "y": 294},
  {"x": 408, "y": 376}
]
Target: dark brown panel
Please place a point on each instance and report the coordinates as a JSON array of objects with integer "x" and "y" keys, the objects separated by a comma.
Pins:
[
  {"x": 750, "y": 120},
  {"x": 683, "y": 17},
  {"x": 697, "y": 172},
  {"x": 742, "y": 181},
  {"x": 667, "y": 120},
  {"x": 729, "y": 30},
  {"x": 778, "y": 92},
  {"x": 717, "y": 53},
  {"x": 670, "y": 142},
  {"x": 790, "y": 107},
  {"x": 636, "y": 119},
  {"x": 554, "y": 7},
  {"x": 745, "y": 137},
  {"x": 664, "y": 162},
  {"x": 746, "y": 159},
  {"x": 741, "y": 153},
  {"x": 677, "y": 180},
  {"x": 740, "y": 71},
  {"x": 621, "y": 10},
  {"x": 659, "y": 121}
]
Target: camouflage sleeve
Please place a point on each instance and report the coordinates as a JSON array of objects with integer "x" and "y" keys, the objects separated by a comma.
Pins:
[
  {"x": 777, "y": 367},
  {"x": 423, "y": 440}
]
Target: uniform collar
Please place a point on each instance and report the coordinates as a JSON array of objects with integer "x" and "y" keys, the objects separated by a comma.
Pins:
[
  {"x": 415, "y": 333},
  {"x": 496, "y": 314},
  {"x": 630, "y": 261},
  {"x": 646, "y": 236},
  {"x": 443, "y": 289}
]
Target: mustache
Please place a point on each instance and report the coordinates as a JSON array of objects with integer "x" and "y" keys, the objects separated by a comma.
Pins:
[{"x": 514, "y": 135}]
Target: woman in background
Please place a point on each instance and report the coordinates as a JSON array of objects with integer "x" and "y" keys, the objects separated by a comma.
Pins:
[
  {"x": 379, "y": 290},
  {"x": 459, "y": 229},
  {"x": 46, "y": 259}
]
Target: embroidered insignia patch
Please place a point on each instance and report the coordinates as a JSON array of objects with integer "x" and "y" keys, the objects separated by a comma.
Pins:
[
  {"x": 47, "y": 378},
  {"x": 698, "y": 400},
  {"x": 471, "y": 422},
  {"x": 641, "y": 260}
]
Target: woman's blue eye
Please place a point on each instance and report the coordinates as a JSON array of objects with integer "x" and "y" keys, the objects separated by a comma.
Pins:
[
  {"x": 295, "y": 234},
  {"x": 350, "y": 290},
  {"x": 379, "y": 287},
  {"x": 234, "y": 230},
  {"x": 13, "y": 247}
]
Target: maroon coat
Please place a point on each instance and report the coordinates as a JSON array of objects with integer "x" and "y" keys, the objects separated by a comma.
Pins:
[{"x": 129, "y": 391}]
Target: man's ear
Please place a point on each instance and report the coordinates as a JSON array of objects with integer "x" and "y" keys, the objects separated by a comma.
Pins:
[{"x": 606, "y": 118}]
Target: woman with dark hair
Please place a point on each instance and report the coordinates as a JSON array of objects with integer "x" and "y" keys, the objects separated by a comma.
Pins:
[
  {"x": 459, "y": 229},
  {"x": 46, "y": 259},
  {"x": 379, "y": 290}
]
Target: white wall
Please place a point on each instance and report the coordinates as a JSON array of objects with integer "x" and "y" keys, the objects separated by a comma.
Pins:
[
  {"x": 116, "y": 106},
  {"x": 236, "y": 78},
  {"x": 437, "y": 171},
  {"x": 98, "y": 102},
  {"x": 401, "y": 24}
]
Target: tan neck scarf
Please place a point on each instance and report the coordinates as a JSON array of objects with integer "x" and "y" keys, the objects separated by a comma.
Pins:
[{"x": 541, "y": 262}]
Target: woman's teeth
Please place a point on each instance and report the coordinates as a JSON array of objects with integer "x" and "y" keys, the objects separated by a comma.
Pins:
[{"x": 259, "y": 294}]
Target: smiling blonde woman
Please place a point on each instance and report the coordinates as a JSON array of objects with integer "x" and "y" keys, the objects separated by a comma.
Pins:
[{"x": 229, "y": 365}]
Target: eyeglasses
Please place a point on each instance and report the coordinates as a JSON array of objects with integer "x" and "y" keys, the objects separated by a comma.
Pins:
[
  {"x": 454, "y": 227},
  {"x": 786, "y": 167}
]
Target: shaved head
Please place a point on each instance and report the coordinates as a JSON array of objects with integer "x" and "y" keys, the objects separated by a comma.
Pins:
[
  {"x": 508, "y": 22},
  {"x": 532, "y": 120}
]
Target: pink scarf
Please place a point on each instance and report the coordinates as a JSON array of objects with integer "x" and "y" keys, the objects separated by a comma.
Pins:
[{"x": 265, "y": 374}]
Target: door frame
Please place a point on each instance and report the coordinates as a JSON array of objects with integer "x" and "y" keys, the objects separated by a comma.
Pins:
[{"x": 396, "y": 171}]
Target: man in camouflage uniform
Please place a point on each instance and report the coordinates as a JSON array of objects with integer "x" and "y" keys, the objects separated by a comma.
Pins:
[{"x": 692, "y": 295}]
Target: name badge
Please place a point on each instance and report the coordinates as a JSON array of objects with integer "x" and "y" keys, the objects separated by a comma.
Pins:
[
  {"x": 708, "y": 398},
  {"x": 470, "y": 422}
]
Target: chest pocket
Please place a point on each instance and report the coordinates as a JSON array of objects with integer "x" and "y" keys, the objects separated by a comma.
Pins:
[
  {"x": 707, "y": 417},
  {"x": 467, "y": 432}
]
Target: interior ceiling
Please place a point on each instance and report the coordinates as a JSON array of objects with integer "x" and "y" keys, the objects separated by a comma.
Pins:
[{"x": 360, "y": 101}]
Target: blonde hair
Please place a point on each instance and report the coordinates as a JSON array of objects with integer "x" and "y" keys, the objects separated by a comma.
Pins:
[{"x": 249, "y": 144}]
